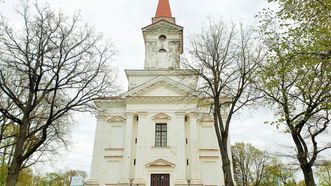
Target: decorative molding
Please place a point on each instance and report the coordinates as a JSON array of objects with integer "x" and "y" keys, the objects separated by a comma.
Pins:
[
  {"x": 114, "y": 149},
  {"x": 162, "y": 72},
  {"x": 92, "y": 182},
  {"x": 116, "y": 119},
  {"x": 107, "y": 103},
  {"x": 194, "y": 114},
  {"x": 159, "y": 84},
  {"x": 214, "y": 157},
  {"x": 163, "y": 26},
  {"x": 130, "y": 114},
  {"x": 206, "y": 119},
  {"x": 138, "y": 181},
  {"x": 160, "y": 81},
  {"x": 160, "y": 163},
  {"x": 112, "y": 157},
  {"x": 210, "y": 150},
  {"x": 142, "y": 114},
  {"x": 161, "y": 116},
  {"x": 181, "y": 182},
  {"x": 180, "y": 114},
  {"x": 162, "y": 100},
  {"x": 162, "y": 147}
]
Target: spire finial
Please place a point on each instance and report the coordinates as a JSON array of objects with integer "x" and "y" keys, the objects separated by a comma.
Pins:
[{"x": 163, "y": 9}]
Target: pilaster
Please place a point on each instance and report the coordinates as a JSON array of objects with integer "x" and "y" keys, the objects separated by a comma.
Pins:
[
  {"x": 181, "y": 158},
  {"x": 141, "y": 149},
  {"x": 125, "y": 180},
  {"x": 98, "y": 147},
  {"x": 194, "y": 144}
]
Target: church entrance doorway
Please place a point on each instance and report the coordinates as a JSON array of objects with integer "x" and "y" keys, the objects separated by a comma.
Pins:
[{"x": 160, "y": 180}]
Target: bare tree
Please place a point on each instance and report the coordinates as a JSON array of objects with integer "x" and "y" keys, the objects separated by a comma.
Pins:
[
  {"x": 7, "y": 133},
  {"x": 49, "y": 69},
  {"x": 226, "y": 60}
]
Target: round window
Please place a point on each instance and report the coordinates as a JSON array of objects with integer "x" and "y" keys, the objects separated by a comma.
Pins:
[{"x": 162, "y": 38}]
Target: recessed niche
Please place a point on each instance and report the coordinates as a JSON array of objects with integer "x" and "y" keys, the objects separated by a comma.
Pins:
[{"x": 162, "y": 38}]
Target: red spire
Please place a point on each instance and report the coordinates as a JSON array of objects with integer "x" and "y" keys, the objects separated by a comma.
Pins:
[{"x": 163, "y": 9}]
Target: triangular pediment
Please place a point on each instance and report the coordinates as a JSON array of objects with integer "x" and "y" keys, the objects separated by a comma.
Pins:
[
  {"x": 162, "y": 24},
  {"x": 162, "y": 116},
  {"x": 160, "y": 163},
  {"x": 116, "y": 119},
  {"x": 160, "y": 86}
]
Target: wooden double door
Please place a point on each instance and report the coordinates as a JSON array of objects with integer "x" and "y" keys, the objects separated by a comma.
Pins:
[{"x": 160, "y": 180}]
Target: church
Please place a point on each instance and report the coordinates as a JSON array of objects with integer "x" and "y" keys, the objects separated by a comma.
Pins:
[{"x": 157, "y": 133}]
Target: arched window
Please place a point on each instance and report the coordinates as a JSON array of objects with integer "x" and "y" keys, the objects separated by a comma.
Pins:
[{"x": 162, "y": 50}]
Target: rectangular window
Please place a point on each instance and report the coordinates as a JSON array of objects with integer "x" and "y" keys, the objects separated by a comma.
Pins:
[{"x": 161, "y": 135}]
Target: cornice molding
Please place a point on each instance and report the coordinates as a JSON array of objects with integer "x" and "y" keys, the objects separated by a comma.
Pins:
[
  {"x": 161, "y": 100},
  {"x": 180, "y": 114},
  {"x": 106, "y": 104},
  {"x": 206, "y": 119},
  {"x": 142, "y": 114},
  {"x": 170, "y": 27},
  {"x": 130, "y": 114}
]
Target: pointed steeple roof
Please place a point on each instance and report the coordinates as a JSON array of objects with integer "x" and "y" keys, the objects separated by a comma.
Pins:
[{"x": 163, "y": 9}]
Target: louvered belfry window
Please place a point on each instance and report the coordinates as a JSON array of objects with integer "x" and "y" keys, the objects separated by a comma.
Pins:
[{"x": 161, "y": 135}]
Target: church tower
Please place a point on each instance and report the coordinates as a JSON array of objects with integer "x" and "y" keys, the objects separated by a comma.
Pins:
[
  {"x": 163, "y": 40},
  {"x": 157, "y": 133}
]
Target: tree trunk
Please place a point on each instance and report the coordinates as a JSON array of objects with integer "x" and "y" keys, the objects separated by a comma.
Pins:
[
  {"x": 304, "y": 165},
  {"x": 15, "y": 165},
  {"x": 12, "y": 174},
  {"x": 222, "y": 143},
  {"x": 309, "y": 175},
  {"x": 226, "y": 164}
]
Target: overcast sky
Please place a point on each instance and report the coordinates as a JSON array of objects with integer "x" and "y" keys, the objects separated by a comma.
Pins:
[{"x": 121, "y": 21}]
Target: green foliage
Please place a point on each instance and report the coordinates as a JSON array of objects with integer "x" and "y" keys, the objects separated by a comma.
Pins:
[
  {"x": 25, "y": 177},
  {"x": 58, "y": 178},
  {"x": 302, "y": 26},
  {"x": 296, "y": 78},
  {"x": 302, "y": 183},
  {"x": 254, "y": 167},
  {"x": 3, "y": 174},
  {"x": 281, "y": 172},
  {"x": 324, "y": 174}
]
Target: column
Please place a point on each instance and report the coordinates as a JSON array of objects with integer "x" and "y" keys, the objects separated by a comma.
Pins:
[
  {"x": 127, "y": 154},
  {"x": 194, "y": 144}
]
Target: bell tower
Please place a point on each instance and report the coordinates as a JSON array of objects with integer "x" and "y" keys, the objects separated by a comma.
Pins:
[{"x": 163, "y": 40}]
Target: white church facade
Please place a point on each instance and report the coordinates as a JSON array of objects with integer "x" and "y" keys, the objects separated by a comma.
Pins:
[{"x": 156, "y": 133}]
